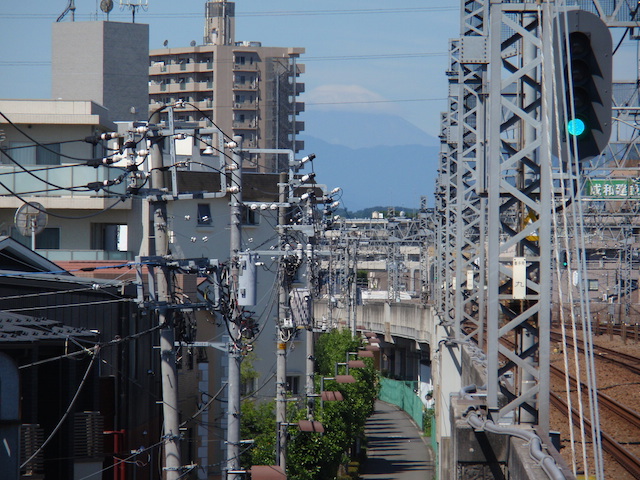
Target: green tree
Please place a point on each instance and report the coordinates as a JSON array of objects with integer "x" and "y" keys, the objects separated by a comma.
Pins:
[
  {"x": 313, "y": 456},
  {"x": 258, "y": 420},
  {"x": 258, "y": 423}
]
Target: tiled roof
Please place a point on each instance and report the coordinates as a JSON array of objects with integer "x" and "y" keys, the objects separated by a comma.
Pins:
[{"x": 18, "y": 328}]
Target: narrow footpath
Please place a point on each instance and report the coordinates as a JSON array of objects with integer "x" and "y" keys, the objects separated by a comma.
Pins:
[{"x": 396, "y": 450}]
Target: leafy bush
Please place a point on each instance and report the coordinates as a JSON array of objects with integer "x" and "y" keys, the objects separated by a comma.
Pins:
[
  {"x": 315, "y": 456},
  {"x": 258, "y": 422}
]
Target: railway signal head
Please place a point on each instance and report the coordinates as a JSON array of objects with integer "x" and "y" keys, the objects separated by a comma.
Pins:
[{"x": 584, "y": 79}]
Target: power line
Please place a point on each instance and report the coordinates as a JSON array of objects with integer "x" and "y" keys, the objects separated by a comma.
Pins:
[
  {"x": 66, "y": 217},
  {"x": 273, "y": 13},
  {"x": 26, "y": 63},
  {"x": 375, "y": 56},
  {"x": 45, "y": 146},
  {"x": 70, "y": 305},
  {"x": 66, "y": 414},
  {"x": 376, "y": 101}
]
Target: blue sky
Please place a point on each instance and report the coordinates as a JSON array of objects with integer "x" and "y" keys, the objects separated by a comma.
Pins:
[{"x": 374, "y": 56}]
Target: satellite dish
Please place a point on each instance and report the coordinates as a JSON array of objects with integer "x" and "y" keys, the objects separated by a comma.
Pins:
[
  {"x": 106, "y": 6},
  {"x": 165, "y": 43},
  {"x": 30, "y": 220},
  {"x": 193, "y": 43}
]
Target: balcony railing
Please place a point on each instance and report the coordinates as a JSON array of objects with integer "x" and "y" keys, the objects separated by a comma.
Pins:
[
  {"x": 247, "y": 124},
  {"x": 48, "y": 180},
  {"x": 85, "y": 255},
  {"x": 246, "y": 67},
  {"x": 245, "y": 86},
  {"x": 180, "y": 68},
  {"x": 245, "y": 105}
]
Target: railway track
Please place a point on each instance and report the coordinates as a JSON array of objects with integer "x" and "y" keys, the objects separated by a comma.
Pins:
[
  {"x": 620, "y": 454},
  {"x": 626, "y": 459},
  {"x": 629, "y": 362},
  {"x": 604, "y": 400}
]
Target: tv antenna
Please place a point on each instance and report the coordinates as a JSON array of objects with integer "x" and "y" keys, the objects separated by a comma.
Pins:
[
  {"x": 31, "y": 219},
  {"x": 106, "y": 6},
  {"x": 71, "y": 7},
  {"x": 134, "y": 5}
]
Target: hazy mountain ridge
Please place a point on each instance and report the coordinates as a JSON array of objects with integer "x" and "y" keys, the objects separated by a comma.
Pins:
[
  {"x": 377, "y": 159},
  {"x": 362, "y": 130},
  {"x": 381, "y": 175}
]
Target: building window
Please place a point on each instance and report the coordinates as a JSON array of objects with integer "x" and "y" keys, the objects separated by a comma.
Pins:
[
  {"x": 240, "y": 60},
  {"x": 293, "y": 385},
  {"x": 110, "y": 237},
  {"x": 250, "y": 217},
  {"x": 204, "y": 214},
  {"x": 48, "y": 239},
  {"x": 28, "y": 154}
]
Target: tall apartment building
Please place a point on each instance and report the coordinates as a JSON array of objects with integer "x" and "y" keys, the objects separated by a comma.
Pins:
[{"x": 244, "y": 88}]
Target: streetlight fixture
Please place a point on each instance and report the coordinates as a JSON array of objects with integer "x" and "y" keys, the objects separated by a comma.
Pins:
[{"x": 333, "y": 395}]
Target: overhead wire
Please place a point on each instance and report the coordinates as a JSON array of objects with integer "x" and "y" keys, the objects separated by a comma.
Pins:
[
  {"x": 46, "y": 182},
  {"x": 66, "y": 413},
  {"x": 576, "y": 225},
  {"x": 69, "y": 305},
  {"x": 565, "y": 357},
  {"x": 266, "y": 13},
  {"x": 124, "y": 460},
  {"x": 94, "y": 348},
  {"x": 57, "y": 215},
  {"x": 43, "y": 145}
]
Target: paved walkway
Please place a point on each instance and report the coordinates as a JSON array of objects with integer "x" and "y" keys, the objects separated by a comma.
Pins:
[{"x": 396, "y": 451}]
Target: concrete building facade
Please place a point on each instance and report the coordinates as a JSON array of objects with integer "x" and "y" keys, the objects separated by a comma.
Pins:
[
  {"x": 44, "y": 159},
  {"x": 105, "y": 62}
]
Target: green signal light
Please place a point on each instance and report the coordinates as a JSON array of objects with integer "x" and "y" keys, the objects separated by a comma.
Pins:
[{"x": 576, "y": 127}]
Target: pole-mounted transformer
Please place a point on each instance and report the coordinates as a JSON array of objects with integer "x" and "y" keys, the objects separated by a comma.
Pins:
[{"x": 247, "y": 279}]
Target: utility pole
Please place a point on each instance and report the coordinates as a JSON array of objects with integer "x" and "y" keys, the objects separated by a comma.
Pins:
[
  {"x": 281, "y": 348},
  {"x": 235, "y": 354},
  {"x": 171, "y": 431},
  {"x": 310, "y": 344}
]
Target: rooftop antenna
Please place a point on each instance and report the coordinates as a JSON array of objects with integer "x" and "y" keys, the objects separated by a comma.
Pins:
[
  {"x": 134, "y": 5},
  {"x": 71, "y": 7},
  {"x": 31, "y": 219},
  {"x": 106, "y": 6}
]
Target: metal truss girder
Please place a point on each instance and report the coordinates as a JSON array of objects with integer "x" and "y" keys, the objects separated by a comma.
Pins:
[
  {"x": 613, "y": 13},
  {"x": 474, "y": 13},
  {"x": 463, "y": 126},
  {"x": 519, "y": 186}
]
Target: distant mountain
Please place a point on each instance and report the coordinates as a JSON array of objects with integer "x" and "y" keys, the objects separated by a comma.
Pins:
[
  {"x": 361, "y": 130},
  {"x": 375, "y": 175}
]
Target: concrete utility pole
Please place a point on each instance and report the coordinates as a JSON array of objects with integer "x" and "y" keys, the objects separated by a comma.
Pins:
[
  {"x": 171, "y": 433},
  {"x": 310, "y": 343},
  {"x": 235, "y": 355},
  {"x": 281, "y": 350}
]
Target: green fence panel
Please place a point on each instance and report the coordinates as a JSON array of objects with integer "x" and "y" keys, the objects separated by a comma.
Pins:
[{"x": 402, "y": 394}]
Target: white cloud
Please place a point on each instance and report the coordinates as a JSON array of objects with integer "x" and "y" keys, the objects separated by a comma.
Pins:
[{"x": 354, "y": 98}]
